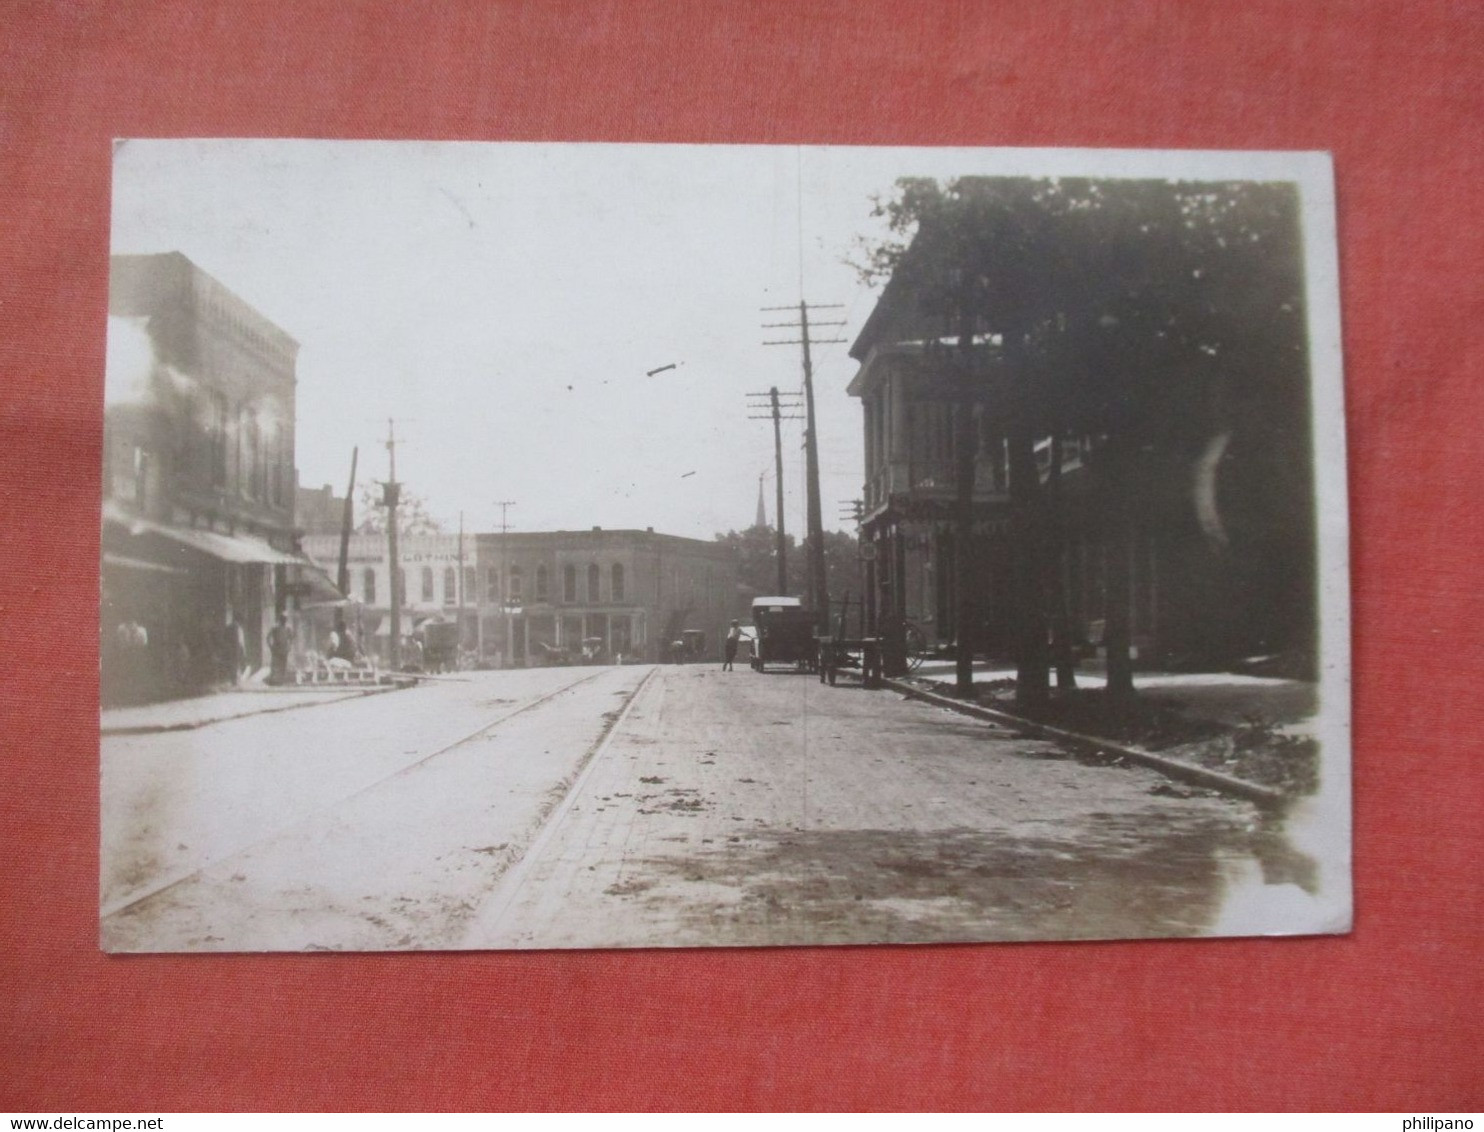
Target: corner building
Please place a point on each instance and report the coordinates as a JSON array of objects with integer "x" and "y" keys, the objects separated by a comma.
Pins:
[
  {"x": 198, "y": 480},
  {"x": 542, "y": 595}
]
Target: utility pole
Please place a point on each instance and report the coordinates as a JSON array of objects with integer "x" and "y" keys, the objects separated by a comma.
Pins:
[
  {"x": 391, "y": 496},
  {"x": 853, "y": 511},
  {"x": 774, "y": 405},
  {"x": 818, "y": 588},
  {"x": 504, "y": 505},
  {"x": 459, "y": 589},
  {"x": 347, "y": 517}
]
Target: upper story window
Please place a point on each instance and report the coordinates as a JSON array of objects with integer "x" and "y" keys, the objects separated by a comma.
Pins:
[
  {"x": 569, "y": 583},
  {"x": 542, "y": 587},
  {"x": 277, "y": 472},
  {"x": 517, "y": 583},
  {"x": 492, "y": 585},
  {"x": 216, "y": 438},
  {"x": 471, "y": 588},
  {"x": 616, "y": 583},
  {"x": 368, "y": 586},
  {"x": 427, "y": 584},
  {"x": 593, "y": 575},
  {"x": 450, "y": 586},
  {"x": 247, "y": 467},
  {"x": 129, "y": 472}
]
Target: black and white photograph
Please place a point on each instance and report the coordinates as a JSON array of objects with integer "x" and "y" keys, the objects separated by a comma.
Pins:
[{"x": 555, "y": 545}]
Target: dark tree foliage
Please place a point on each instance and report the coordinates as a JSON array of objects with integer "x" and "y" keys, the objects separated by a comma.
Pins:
[
  {"x": 1124, "y": 293},
  {"x": 413, "y": 516},
  {"x": 756, "y": 550},
  {"x": 1164, "y": 318}
]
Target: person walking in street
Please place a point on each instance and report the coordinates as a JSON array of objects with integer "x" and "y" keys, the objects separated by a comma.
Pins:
[{"x": 734, "y": 638}]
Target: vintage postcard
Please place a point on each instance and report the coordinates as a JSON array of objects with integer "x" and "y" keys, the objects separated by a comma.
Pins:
[{"x": 570, "y": 546}]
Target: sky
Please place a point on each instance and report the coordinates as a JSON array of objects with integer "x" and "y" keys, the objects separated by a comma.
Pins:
[{"x": 504, "y": 302}]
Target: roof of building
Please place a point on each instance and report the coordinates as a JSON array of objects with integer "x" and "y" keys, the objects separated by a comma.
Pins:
[
  {"x": 604, "y": 536},
  {"x": 167, "y": 282}
]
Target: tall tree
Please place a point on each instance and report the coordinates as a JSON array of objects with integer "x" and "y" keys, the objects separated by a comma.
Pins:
[
  {"x": 756, "y": 550},
  {"x": 1131, "y": 311},
  {"x": 413, "y": 516}
]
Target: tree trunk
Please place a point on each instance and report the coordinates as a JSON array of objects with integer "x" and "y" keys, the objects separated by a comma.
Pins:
[
  {"x": 1031, "y": 686},
  {"x": 1056, "y": 560},
  {"x": 1117, "y": 551},
  {"x": 964, "y": 438}
]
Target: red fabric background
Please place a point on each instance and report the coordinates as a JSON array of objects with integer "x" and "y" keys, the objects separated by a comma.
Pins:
[{"x": 1387, "y": 1018}]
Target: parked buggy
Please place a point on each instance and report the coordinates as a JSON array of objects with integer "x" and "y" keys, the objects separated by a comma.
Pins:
[
  {"x": 858, "y": 655},
  {"x": 440, "y": 646},
  {"x": 863, "y": 655},
  {"x": 688, "y": 648},
  {"x": 785, "y": 634},
  {"x": 554, "y": 655}
]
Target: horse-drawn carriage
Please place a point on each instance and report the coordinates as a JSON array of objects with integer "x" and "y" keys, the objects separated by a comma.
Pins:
[
  {"x": 785, "y": 634},
  {"x": 688, "y": 648}
]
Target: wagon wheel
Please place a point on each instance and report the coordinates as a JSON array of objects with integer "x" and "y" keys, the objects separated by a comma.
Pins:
[{"x": 916, "y": 645}]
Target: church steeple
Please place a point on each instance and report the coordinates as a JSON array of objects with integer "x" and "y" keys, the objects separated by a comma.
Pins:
[{"x": 762, "y": 515}]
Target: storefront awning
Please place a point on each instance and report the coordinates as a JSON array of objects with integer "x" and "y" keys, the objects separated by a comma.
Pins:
[
  {"x": 126, "y": 563},
  {"x": 165, "y": 548},
  {"x": 226, "y": 548},
  {"x": 318, "y": 589}
]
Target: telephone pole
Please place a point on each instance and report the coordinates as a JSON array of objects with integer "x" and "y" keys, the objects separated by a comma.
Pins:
[
  {"x": 504, "y": 505},
  {"x": 818, "y": 587},
  {"x": 391, "y": 496},
  {"x": 775, "y": 415},
  {"x": 461, "y": 590},
  {"x": 347, "y": 519}
]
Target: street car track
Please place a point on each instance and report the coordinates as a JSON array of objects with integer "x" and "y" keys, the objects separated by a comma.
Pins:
[
  {"x": 138, "y": 896},
  {"x": 487, "y": 922}
]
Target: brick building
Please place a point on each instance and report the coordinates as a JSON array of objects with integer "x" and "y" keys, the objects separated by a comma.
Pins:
[
  {"x": 198, "y": 480},
  {"x": 542, "y": 595}
]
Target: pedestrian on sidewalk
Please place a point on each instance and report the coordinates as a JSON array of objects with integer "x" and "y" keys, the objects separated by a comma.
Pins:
[
  {"x": 234, "y": 650},
  {"x": 280, "y": 640},
  {"x": 734, "y": 638}
]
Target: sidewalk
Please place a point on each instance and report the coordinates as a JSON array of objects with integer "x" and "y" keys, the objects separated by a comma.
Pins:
[
  {"x": 1227, "y": 698},
  {"x": 252, "y": 698},
  {"x": 1248, "y": 735}
]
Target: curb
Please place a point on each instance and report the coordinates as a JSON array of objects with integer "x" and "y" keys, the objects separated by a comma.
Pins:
[
  {"x": 1170, "y": 768},
  {"x": 195, "y": 725}
]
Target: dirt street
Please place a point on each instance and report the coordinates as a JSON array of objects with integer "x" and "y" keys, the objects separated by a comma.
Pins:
[
  {"x": 737, "y": 808},
  {"x": 370, "y": 824},
  {"x": 643, "y": 807}
]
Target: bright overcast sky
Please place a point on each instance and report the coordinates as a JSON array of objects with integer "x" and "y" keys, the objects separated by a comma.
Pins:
[{"x": 503, "y": 303}]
